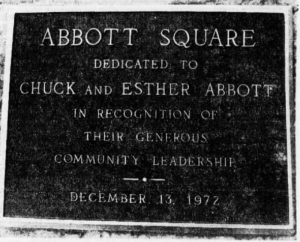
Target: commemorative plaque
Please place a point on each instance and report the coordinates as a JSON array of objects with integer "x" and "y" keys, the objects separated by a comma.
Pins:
[{"x": 175, "y": 119}]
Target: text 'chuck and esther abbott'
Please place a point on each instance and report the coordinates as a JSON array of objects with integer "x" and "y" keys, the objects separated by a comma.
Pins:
[{"x": 185, "y": 38}]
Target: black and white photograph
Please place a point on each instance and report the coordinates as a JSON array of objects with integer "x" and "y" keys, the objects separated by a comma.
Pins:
[{"x": 163, "y": 120}]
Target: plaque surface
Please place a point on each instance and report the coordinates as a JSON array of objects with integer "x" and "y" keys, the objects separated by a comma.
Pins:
[{"x": 172, "y": 117}]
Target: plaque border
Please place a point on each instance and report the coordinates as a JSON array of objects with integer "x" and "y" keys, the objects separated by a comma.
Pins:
[{"x": 103, "y": 225}]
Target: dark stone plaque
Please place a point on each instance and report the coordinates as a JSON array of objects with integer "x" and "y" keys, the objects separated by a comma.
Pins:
[{"x": 168, "y": 119}]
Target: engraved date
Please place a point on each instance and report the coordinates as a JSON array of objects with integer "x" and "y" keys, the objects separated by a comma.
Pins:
[{"x": 203, "y": 199}]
